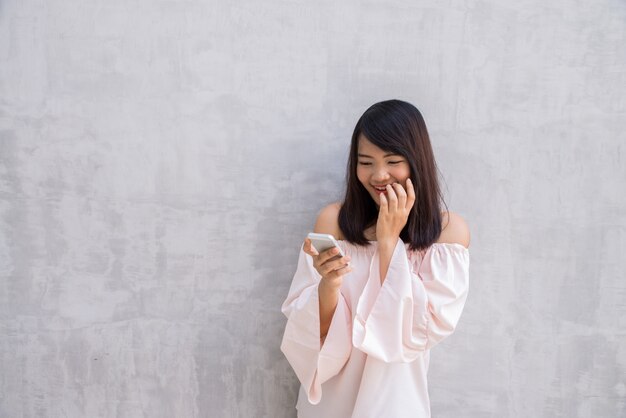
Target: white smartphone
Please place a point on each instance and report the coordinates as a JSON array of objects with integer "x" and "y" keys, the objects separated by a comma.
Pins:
[{"x": 323, "y": 242}]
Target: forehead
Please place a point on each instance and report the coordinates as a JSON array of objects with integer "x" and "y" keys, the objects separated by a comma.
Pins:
[{"x": 366, "y": 147}]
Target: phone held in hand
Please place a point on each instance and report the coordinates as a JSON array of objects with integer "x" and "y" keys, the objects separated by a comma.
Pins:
[{"x": 322, "y": 242}]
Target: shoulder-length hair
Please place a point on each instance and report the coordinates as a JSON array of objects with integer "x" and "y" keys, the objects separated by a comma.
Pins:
[{"x": 397, "y": 127}]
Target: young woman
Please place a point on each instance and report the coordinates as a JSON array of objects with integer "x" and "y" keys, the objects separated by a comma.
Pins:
[{"x": 360, "y": 327}]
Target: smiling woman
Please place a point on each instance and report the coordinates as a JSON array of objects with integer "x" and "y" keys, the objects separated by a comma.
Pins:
[
  {"x": 377, "y": 169},
  {"x": 361, "y": 346},
  {"x": 390, "y": 144}
]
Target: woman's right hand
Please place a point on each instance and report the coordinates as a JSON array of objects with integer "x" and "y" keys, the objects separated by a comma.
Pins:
[{"x": 331, "y": 269}]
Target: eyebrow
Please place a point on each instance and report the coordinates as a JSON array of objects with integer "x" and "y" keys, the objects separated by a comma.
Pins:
[{"x": 391, "y": 154}]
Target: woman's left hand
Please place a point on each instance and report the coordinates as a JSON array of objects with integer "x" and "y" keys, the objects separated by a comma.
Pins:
[{"x": 394, "y": 211}]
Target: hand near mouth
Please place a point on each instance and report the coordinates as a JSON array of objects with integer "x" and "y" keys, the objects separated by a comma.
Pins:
[{"x": 394, "y": 210}]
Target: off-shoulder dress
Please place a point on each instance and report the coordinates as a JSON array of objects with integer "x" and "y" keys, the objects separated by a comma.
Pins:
[{"x": 373, "y": 362}]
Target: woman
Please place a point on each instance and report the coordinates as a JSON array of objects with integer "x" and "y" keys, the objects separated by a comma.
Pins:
[{"x": 360, "y": 327}]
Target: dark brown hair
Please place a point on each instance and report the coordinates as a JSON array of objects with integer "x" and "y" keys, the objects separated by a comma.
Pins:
[{"x": 397, "y": 127}]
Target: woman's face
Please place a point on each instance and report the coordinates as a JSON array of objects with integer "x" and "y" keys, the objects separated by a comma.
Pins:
[{"x": 376, "y": 167}]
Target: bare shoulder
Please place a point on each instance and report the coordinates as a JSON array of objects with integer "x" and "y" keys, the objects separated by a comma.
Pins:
[
  {"x": 328, "y": 221},
  {"x": 454, "y": 230}
]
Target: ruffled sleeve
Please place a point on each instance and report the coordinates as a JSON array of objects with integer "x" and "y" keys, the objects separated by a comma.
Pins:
[
  {"x": 314, "y": 360},
  {"x": 411, "y": 312}
]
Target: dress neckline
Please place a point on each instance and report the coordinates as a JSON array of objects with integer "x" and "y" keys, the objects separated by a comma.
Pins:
[{"x": 372, "y": 243}]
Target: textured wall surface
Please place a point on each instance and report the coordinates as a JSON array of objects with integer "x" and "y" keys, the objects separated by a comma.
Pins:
[{"x": 161, "y": 163}]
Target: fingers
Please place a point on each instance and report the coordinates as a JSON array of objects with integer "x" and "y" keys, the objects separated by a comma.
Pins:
[
  {"x": 410, "y": 194},
  {"x": 327, "y": 261},
  {"x": 392, "y": 198},
  {"x": 330, "y": 266},
  {"x": 400, "y": 195},
  {"x": 384, "y": 204},
  {"x": 338, "y": 273},
  {"x": 328, "y": 254},
  {"x": 309, "y": 249}
]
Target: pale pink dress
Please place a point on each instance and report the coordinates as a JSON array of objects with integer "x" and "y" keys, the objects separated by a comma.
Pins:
[{"x": 374, "y": 360}]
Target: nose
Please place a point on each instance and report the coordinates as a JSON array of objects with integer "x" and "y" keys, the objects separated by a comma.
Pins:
[{"x": 380, "y": 175}]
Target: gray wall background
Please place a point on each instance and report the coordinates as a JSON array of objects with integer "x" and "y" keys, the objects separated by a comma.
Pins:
[{"x": 161, "y": 163}]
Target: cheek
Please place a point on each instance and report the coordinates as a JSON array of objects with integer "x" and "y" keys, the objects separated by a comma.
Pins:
[{"x": 402, "y": 173}]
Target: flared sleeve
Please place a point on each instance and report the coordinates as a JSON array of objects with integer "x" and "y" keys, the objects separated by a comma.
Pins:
[
  {"x": 417, "y": 306},
  {"x": 314, "y": 360}
]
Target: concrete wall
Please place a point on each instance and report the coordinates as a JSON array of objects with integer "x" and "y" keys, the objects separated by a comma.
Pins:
[{"x": 161, "y": 162}]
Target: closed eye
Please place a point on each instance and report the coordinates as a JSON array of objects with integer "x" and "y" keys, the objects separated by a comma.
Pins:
[{"x": 390, "y": 162}]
